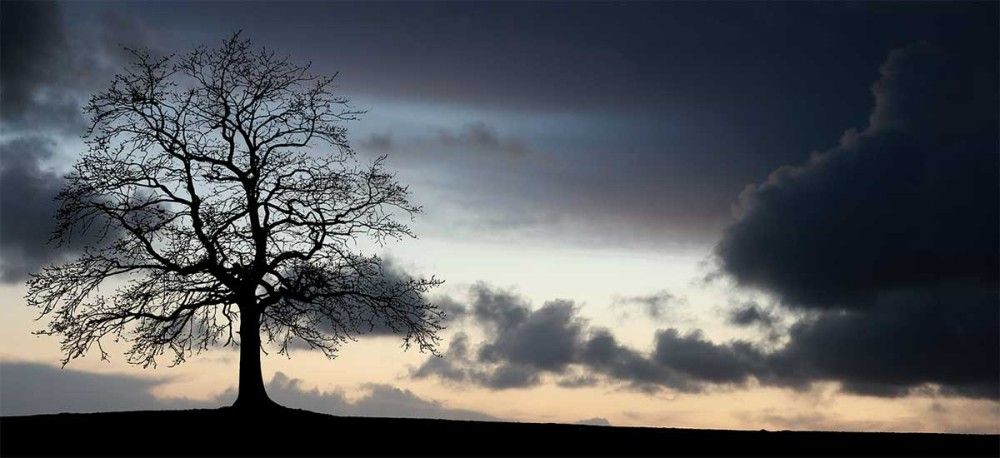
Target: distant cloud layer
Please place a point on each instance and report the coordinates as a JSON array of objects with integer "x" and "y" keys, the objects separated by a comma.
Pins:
[{"x": 32, "y": 388}]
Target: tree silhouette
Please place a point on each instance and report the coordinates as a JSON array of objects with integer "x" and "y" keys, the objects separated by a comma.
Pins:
[{"x": 218, "y": 191}]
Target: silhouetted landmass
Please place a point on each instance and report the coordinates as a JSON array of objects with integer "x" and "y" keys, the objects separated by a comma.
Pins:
[{"x": 287, "y": 432}]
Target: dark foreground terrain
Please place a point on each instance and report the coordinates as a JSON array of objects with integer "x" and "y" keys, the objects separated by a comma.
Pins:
[{"x": 299, "y": 433}]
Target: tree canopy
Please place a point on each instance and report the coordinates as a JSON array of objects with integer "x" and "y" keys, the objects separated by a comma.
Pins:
[{"x": 223, "y": 202}]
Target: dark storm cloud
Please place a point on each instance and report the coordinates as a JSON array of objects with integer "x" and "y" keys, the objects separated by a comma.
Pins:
[
  {"x": 27, "y": 207},
  {"x": 567, "y": 58},
  {"x": 36, "y": 63},
  {"x": 909, "y": 201},
  {"x": 893, "y": 236},
  {"x": 48, "y": 70},
  {"x": 945, "y": 335},
  {"x": 32, "y": 388}
]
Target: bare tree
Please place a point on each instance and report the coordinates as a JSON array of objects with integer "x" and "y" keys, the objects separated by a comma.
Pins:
[{"x": 227, "y": 200}]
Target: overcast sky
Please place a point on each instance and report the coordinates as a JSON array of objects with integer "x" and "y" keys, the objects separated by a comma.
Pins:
[{"x": 642, "y": 212}]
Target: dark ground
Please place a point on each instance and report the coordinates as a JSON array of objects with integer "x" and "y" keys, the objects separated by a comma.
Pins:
[{"x": 299, "y": 433}]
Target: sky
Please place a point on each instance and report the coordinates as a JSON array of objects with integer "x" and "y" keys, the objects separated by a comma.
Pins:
[{"x": 723, "y": 215}]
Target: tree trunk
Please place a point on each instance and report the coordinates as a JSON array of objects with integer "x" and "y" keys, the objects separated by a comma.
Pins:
[{"x": 251, "y": 390}]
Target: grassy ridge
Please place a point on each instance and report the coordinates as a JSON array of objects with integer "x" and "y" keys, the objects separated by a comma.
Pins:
[{"x": 286, "y": 432}]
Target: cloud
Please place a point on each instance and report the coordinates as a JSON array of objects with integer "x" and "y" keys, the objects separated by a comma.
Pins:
[
  {"x": 892, "y": 237},
  {"x": 752, "y": 314},
  {"x": 769, "y": 321},
  {"x": 32, "y": 388}
]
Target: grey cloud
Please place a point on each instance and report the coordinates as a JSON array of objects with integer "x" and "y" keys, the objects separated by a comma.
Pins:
[
  {"x": 456, "y": 365},
  {"x": 32, "y": 388},
  {"x": 449, "y": 366},
  {"x": 701, "y": 360},
  {"x": 602, "y": 353},
  {"x": 546, "y": 339},
  {"x": 596, "y": 421},
  {"x": 577, "y": 381},
  {"x": 27, "y": 207},
  {"x": 752, "y": 314},
  {"x": 518, "y": 350},
  {"x": 509, "y": 375}
]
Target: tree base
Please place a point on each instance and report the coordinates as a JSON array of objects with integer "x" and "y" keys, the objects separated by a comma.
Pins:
[{"x": 264, "y": 404}]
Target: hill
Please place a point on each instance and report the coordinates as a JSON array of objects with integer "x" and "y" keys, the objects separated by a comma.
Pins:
[{"x": 287, "y": 432}]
